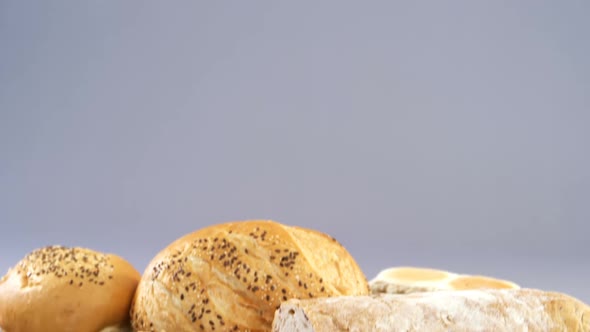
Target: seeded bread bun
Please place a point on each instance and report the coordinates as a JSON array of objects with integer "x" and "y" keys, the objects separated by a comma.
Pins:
[
  {"x": 67, "y": 289},
  {"x": 406, "y": 280},
  {"x": 233, "y": 276}
]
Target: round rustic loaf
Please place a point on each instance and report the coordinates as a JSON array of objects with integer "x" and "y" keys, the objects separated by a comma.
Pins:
[
  {"x": 67, "y": 289},
  {"x": 234, "y": 276}
]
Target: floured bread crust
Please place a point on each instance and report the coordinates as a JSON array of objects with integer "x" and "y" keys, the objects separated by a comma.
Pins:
[{"x": 468, "y": 310}]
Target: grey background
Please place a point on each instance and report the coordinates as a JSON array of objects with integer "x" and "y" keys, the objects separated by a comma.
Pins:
[{"x": 444, "y": 134}]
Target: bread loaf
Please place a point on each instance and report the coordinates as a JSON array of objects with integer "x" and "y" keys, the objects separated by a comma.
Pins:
[
  {"x": 498, "y": 310},
  {"x": 406, "y": 280},
  {"x": 233, "y": 276},
  {"x": 67, "y": 289}
]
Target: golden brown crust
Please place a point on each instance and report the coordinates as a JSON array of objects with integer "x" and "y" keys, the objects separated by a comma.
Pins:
[
  {"x": 413, "y": 274},
  {"x": 233, "y": 276},
  {"x": 464, "y": 282},
  {"x": 407, "y": 280},
  {"x": 67, "y": 289}
]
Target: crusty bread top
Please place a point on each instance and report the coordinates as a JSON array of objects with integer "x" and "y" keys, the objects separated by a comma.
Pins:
[
  {"x": 416, "y": 274},
  {"x": 67, "y": 289},
  {"x": 463, "y": 282},
  {"x": 404, "y": 280},
  {"x": 235, "y": 275}
]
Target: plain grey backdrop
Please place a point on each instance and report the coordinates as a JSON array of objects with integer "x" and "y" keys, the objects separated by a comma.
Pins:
[{"x": 446, "y": 134}]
